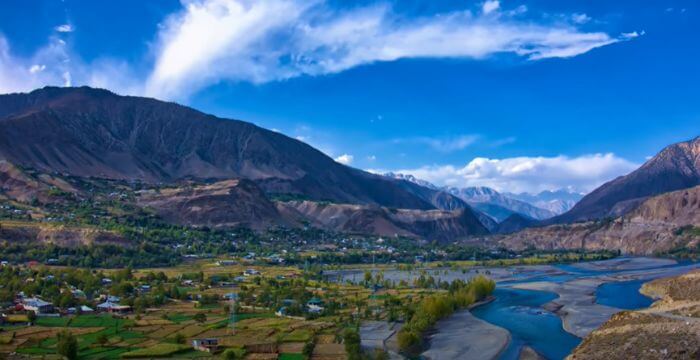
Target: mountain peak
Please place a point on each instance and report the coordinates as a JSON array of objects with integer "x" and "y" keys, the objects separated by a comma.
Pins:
[{"x": 675, "y": 167}]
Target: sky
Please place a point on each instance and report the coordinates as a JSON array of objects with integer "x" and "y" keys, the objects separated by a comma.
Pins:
[{"x": 522, "y": 96}]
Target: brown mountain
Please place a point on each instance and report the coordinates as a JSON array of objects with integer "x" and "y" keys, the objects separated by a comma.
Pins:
[
  {"x": 440, "y": 225},
  {"x": 675, "y": 167},
  {"x": 658, "y": 224},
  {"x": 89, "y": 132}
]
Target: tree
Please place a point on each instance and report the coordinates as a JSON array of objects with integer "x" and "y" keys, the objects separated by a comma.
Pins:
[
  {"x": 351, "y": 337},
  {"x": 102, "y": 339},
  {"x": 199, "y": 317},
  {"x": 308, "y": 349},
  {"x": 67, "y": 345},
  {"x": 381, "y": 354},
  {"x": 179, "y": 338},
  {"x": 231, "y": 354}
]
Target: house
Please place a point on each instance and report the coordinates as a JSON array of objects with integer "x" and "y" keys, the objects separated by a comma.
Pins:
[
  {"x": 209, "y": 345},
  {"x": 226, "y": 262},
  {"x": 187, "y": 282},
  {"x": 114, "y": 308},
  {"x": 106, "y": 281},
  {"x": 80, "y": 310},
  {"x": 315, "y": 305},
  {"x": 37, "y": 305},
  {"x": 251, "y": 272},
  {"x": 231, "y": 297},
  {"x": 281, "y": 311}
]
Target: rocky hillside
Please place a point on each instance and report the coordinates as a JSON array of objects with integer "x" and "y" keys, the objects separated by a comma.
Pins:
[
  {"x": 669, "y": 329},
  {"x": 440, "y": 225},
  {"x": 675, "y": 167},
  {"x": 658, "y": 224},
  {"x": 224, "y": 204},
  {"x": 95, "y": 133}
]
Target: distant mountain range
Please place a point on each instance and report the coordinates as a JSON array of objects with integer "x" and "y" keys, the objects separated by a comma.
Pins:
[{"x": 500, "y": 206}]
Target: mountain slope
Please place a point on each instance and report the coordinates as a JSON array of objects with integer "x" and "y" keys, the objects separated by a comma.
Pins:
[
  {"x": 557, "y": 202},
  {"x": 498, "y": 205},
  {"x": 89, "y": 132},
  {"x": 440, "y": 225},
  {"x": 660, "y": 223},
  {"x": 675, "y": 167}
]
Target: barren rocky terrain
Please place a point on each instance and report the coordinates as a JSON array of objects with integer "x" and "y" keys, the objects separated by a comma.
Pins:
[{"x": 669, "y": 329}]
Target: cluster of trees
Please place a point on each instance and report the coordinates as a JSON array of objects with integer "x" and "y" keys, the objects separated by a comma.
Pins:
[
  {"x": 274, "y": 294},
  {"x": 427, "y": 312},
  {"x": 54, "y": 285}
]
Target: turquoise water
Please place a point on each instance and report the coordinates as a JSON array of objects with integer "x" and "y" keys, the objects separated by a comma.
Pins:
[
  {"x": 610, "y": 294},
  {"x": 519, "y": 311}
]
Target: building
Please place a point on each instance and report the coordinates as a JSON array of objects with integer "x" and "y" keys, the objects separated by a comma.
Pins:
[
  {"x": 315, "y": 305},
  {"x": 37, "y": 305},
  {"x": 210, "y": 345},
  {"x": 114, "y": 308}
]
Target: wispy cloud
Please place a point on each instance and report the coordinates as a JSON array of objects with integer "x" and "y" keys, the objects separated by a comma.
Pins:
[
  {"x": 261, "y": 41},
  {"x": 441, "y": 144},
  {"x": 210, "y": 41},
  {"x": 65, "y": 28},
  {"x": 490, "y": 6},
  {"x": 529, "y": 174}
]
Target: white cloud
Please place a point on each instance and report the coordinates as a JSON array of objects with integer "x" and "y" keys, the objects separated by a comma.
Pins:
[
  {"x": 37, "y": 68},
  {"x": 490, "y": 6},
  {"x": 442, "y": 144},
  {"x": 371, "y": 158},
  {"x": 65, "y": 28},
  {"x": 633, "y": 34},
  {"x": 210, "y": 41},
  {"x": 261, "y": 41},
  {"x": 529, "y": 174},
  {"x": 580, "y": 18},
  {"x": 345, "y": 159}
]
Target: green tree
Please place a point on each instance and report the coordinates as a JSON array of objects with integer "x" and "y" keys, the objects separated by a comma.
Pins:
[
  {"x": 199, "y": 317},
  {"x": 67, "y": 345},
  {"x": 351, "y": 338}
]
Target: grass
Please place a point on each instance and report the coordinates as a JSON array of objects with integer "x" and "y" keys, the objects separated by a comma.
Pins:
[
  {"x": 97, "y": 321},
  {"x": 298, "y": 335},
  {"x": 53, "y": 321},
  {"x": 288, "y": 356},
  {"x": 179, "y": 317},
  {"x": 160, "y": 350}
]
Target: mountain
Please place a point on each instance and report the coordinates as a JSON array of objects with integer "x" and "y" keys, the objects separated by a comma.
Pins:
[
  {"x": 484, "y": 199},
  {"x": 439, "y": 225},
  {"x": 557, "y": 202},
  {"x": 658, "y": 224},
  {"x": 93, "y": 133},
  {"x": 514, "y": 223},
  {"x": 675, "y": 167},
  {"x": 497, "y": 205}
]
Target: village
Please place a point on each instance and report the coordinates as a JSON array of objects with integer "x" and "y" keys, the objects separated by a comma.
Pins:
[{"x": 206, "y": 308}]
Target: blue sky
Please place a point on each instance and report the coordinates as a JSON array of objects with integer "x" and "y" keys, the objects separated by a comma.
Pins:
[{"x": 519, "y": 95}]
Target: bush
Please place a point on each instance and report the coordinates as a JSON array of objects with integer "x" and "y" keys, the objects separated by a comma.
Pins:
[
  {"x": 67, "y": 345},
  {"x": 351, "y": 338}
]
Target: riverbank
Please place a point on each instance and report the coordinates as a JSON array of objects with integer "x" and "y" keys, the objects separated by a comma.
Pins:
[
  {"x": 463, "y": 336},
  {"x": 576, "y": 302},
  {"x": 669, "y": 329}
]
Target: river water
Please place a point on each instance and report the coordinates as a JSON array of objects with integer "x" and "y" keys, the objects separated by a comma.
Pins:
[{"x": 521, "y": 313}]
